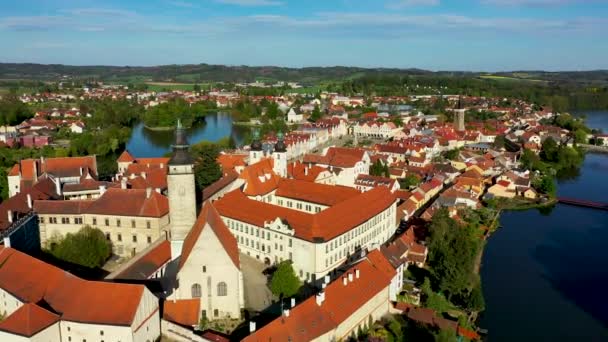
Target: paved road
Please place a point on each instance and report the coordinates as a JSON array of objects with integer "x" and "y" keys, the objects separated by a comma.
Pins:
[{"x": 257, "y": 295}]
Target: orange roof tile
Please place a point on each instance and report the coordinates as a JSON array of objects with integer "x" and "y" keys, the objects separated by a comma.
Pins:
[
  {"x": 326, "y": 224},
  {"x": 125, "y": 157},
  {"x": 230, "y": 161},
  {"x": 209, "y": 216},
  {"x": 68, "y": 166},
  {"x": 183, "y": 312},
  {"x": 260, "y": 178},
  {"x": 14, "y": 170},
  {"x": 315, "y": 192},
  {"x": 301, "y": 171},
  {"x": 308, "y": 320},
  {"x": 73, "y": 298},
  {"x": 337, "y": 156},
  {"x": 115, "y": 201},
  {"x": 28, "y": 320},
  {"x": 149, "y": 263}
]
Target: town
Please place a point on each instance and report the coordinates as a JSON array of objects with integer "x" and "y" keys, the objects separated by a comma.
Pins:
[{"x": 341, "y": 218}]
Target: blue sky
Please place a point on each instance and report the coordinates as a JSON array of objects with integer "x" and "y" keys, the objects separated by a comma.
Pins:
[{"x": 480, "y": 35}]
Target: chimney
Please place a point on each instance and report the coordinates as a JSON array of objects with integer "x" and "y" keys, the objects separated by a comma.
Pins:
[
  {"x": 350, "y": 277},
  {"x": 320, "y": 298},
  {"x": 327, "y": 279},
  {"x": 344, "y": 281},
  {"x": 80, "y": 171},
  {"x": 143, "y": 175},
  {"x": 102, "y": 190},
  {"x": 123, "y": 183},
  {"x": 29, "y": 201},
  {"x": 293, "y": 302},
  {"x": 251, "y": 327},
  {"x": 357, "y": 273},
  {"x": 162, "y": 165},
  {"x": 148, "y": 192},
  {"x": 286, "y": 312},
  {"x": 305, "y": 171},
  {"x": 7, "y": 242},
  {"x": 10, "y": 216}
]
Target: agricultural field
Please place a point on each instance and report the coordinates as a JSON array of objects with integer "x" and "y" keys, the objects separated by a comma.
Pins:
[{"x": 510, "y": 79}]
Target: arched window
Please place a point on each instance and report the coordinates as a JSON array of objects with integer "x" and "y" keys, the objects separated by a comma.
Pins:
[
  {"x": 222, "y": 289},
  {"x": 196, "y": 291}
]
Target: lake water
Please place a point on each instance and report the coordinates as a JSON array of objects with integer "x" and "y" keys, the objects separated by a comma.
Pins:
[
  {"x": 544, "y": 272},
  {"x": 149, "y": 143}
]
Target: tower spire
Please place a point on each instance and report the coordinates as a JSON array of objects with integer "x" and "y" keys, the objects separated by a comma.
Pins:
[{"x": 180, "y": 147}]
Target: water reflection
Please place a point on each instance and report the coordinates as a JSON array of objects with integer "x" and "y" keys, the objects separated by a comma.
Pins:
[{"x": 150, "y": 143}]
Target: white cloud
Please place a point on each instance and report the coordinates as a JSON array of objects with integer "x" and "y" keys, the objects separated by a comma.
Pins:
[{"x": 250, "y": 2}]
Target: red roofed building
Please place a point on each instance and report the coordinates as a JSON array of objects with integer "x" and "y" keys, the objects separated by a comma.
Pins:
[
  {"x": 316, "y": 243},
  {"x": 354, "y": 300},
  {"x": 310, "y": 173},
  {"x": 209, "y": 269},
  {"x": 346, "y": 163},
  {"x": 73, "y": 307},
  {"x": 131, "y": 218},
  {"x": 66, "y": 170}
]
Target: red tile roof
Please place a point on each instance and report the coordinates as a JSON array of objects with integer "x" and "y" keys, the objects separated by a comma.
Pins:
[
  {"x": 301, "y": 171},
  {"x": 308, "y": 320},
  {"x": 230, "y": 161},
  {"x": 118, "y": 202},
  {"x": 315, "y": 192},
  {"x": 337, "y": 156},
  {"x": 73, "y": 298},
  {"x": 209, "y": 217},
  {"x": 125, "y": 157},
  {"x": 68, "y": 166},
  {"x": 18, "y": 204},
  {"x": 260, "y": 178},
  {"x": 28, "y": 320},
  {"x": 183, "y": 312},
  {"x": 144, "y": 267},
  {"x": 326, "y": 224}
]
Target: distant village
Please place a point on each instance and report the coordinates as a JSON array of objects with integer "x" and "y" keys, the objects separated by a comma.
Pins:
[{"x": 343, "y": 199}]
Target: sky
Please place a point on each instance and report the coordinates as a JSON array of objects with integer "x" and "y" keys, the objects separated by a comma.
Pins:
[{"x": 471, "y": 35}]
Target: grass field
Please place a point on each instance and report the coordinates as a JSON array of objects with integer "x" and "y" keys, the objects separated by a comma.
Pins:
[{"x": 508, "y": 79}]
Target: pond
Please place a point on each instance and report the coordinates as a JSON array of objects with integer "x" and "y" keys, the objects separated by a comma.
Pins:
[{"x": 150, "y": 143}]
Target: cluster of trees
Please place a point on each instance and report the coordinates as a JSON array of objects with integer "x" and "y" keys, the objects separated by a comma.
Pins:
[
  {"x": 284, "y": 282},
  {"x": 206, "y": 168},
  {"x": 379, "y": 169},
  {"x": 166, "y": 114},
  {"x": 409, "y": 182},
  {"x": 13, "y": 111},
  {"x": 453, "y": 251},
  {"x": 553, "y": 158},
  {"x": 88, "y": 247}
]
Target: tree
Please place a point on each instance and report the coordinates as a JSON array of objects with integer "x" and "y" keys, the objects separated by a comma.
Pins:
[
  {"x": 379, "y": 169},
  {"x": 451, "y": 154},
  {"x": 316, "y": 114},
  {"x": 88, "y": 247},
  {"x": 409, "y": 181},
  {"x": 284, "y": 282},
  {"x": 546, "y": 185},
  {"x": 206, "y": 168},
  {"x": 549, "y": 150},
  {"x": 475, "y": 301},
  {"x": 13, "y": 111}
]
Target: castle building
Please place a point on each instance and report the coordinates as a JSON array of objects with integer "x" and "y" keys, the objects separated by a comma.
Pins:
[{"x": 182, "y": 191}]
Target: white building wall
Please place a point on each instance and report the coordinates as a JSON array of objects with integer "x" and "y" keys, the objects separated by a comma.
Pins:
[
  {"x": 14, "y": 185},
  {"x": 77, "y": 332},
  {"x": 146, "y": 324},
  {"x": 121, "y": 236},
  {"x": 8, "y": 303},
  {"x": 182, "y": 204},
  {"x": 208, "y": 265}
]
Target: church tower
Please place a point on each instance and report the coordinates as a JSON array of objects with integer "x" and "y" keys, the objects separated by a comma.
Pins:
[
  {"x": 459, "y": 116},
  {"x": 255, "y": 153},
  {"x": 280, "y": 156},
  {"x": 182, "y": 196}
]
